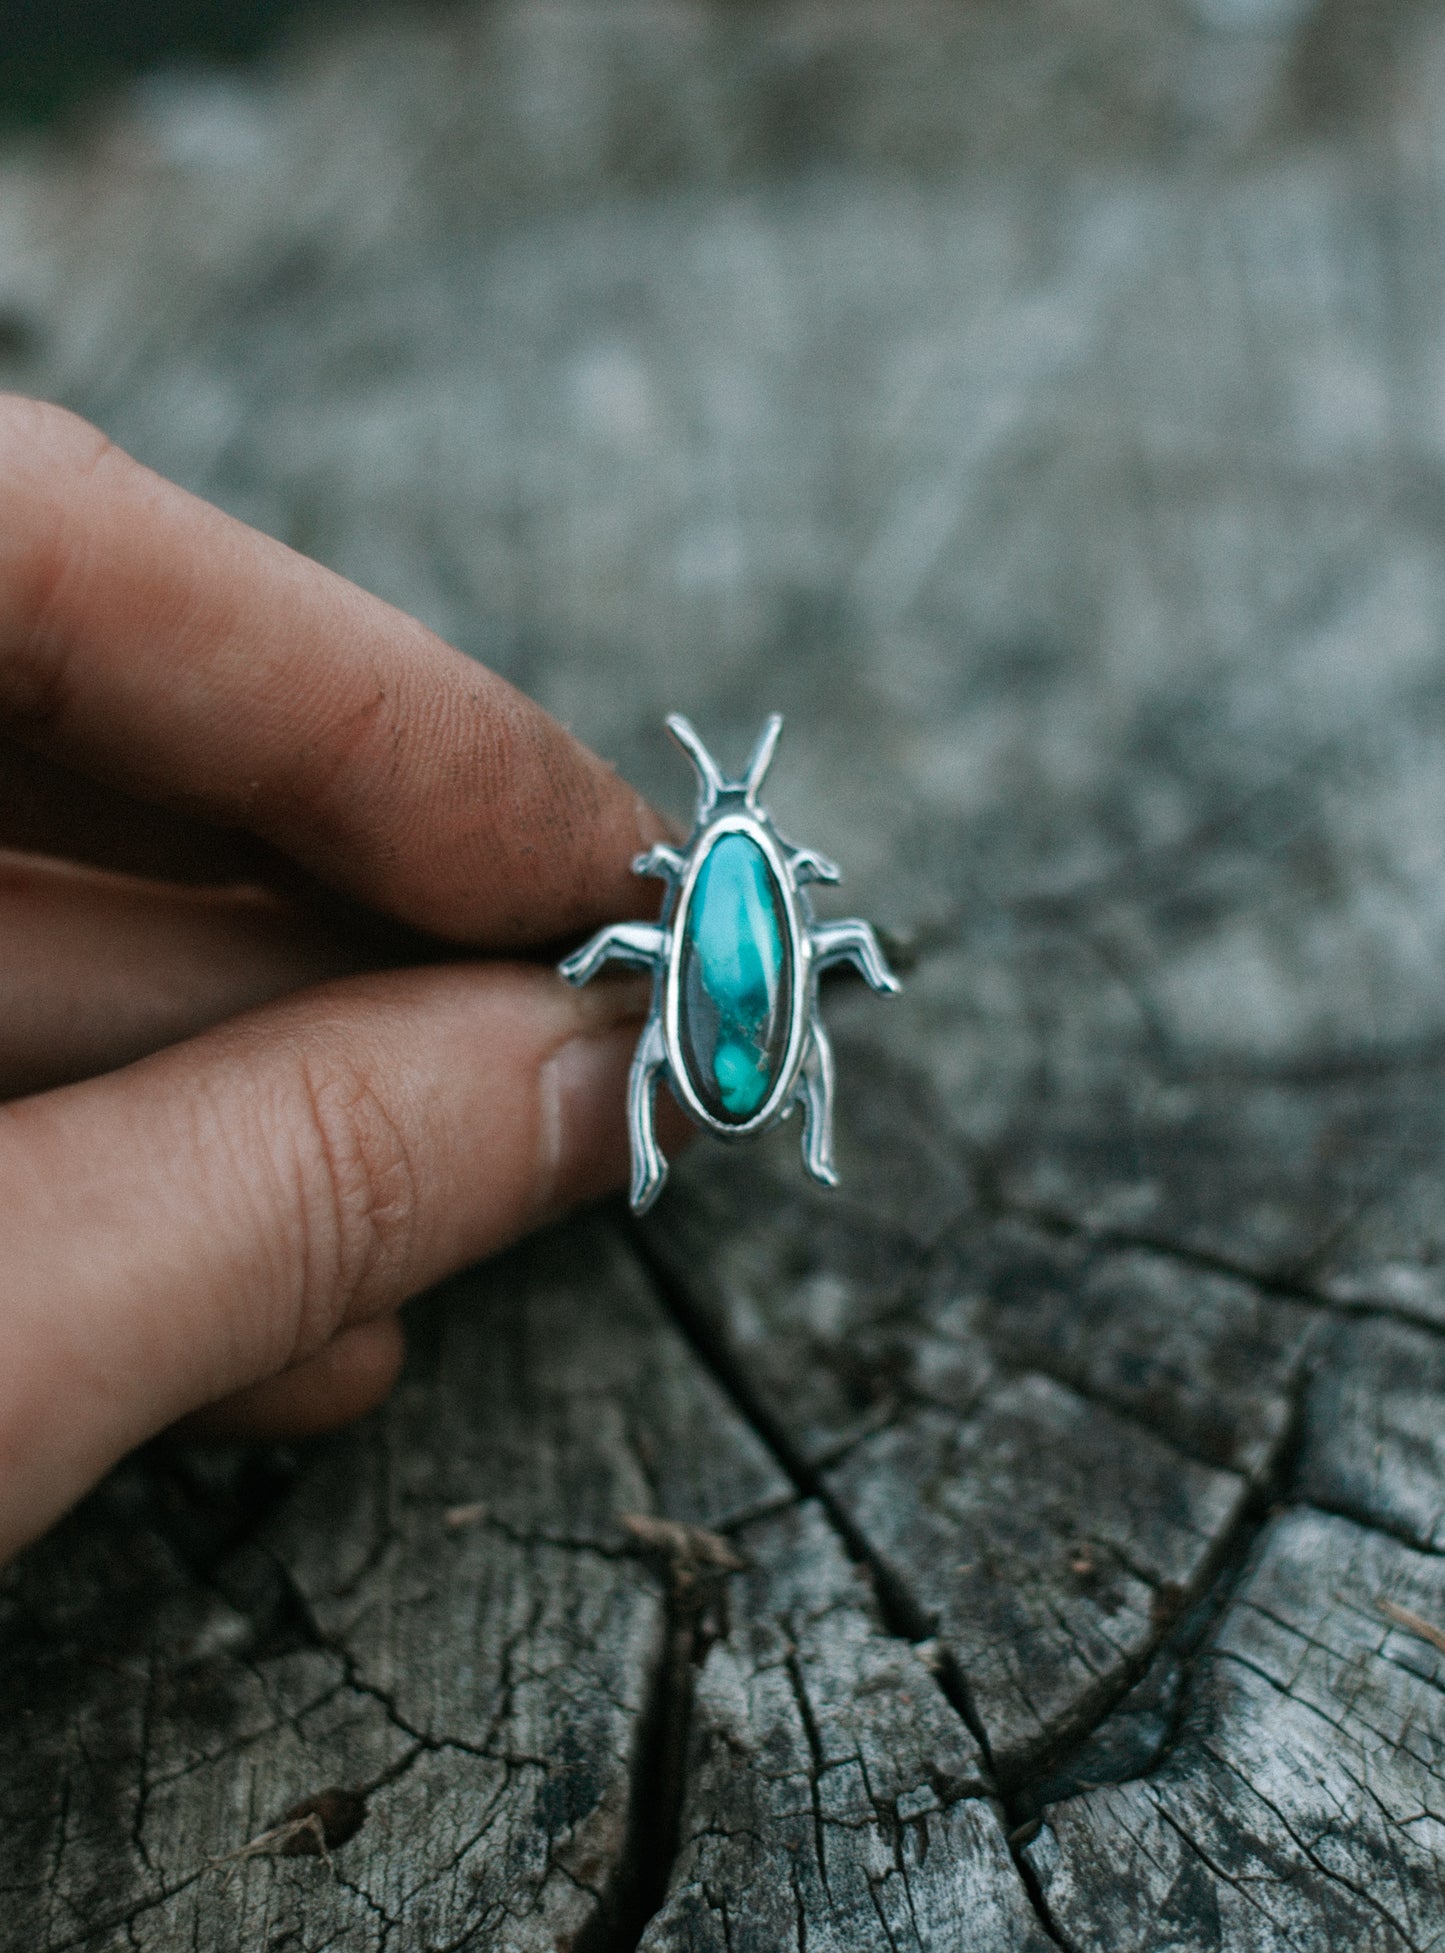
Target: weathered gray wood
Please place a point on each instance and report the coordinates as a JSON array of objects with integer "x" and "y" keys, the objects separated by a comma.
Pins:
[
  {"x": 1042, "y": 1443},
  {"x": 1373, "y": 1436},
  {"x": 1041, "y": 405},
  {"x": 444, "y": 1614},
  {"x": 834, "y": 1798},
  {"x": 1302, "y": 1802}
]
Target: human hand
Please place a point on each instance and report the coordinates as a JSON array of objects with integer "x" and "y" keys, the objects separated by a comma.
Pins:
[{"x": 235, "y": 793}]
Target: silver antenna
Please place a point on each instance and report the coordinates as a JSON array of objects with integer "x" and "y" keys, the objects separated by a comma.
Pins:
[
  {"x": 710, "y": 782},
  {"x": 763, "y": 752}
]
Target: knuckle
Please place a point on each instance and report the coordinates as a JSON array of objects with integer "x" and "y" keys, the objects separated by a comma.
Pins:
[{"x": 358, "y": 1194}]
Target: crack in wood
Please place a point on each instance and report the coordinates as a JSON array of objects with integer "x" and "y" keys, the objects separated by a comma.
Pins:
[{"x": 900, "y": 1614}]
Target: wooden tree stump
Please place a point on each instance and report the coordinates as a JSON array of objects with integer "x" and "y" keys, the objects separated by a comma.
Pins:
[{"x": 1039, "y": 1542}]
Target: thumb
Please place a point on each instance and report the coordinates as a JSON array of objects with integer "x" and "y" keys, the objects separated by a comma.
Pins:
[{"x": 216, "y": 1214}]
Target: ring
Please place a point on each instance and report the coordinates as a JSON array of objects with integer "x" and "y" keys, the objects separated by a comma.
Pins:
[{"x": 734, "y": 1024}]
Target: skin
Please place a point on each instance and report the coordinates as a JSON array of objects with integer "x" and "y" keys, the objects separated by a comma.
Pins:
[{"x": 273, "y": 860}]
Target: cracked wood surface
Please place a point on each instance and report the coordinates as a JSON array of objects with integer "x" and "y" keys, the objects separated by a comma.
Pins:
[
  {"x": 807, "y": 1817},
  {"x": 1041, "y": 404}
]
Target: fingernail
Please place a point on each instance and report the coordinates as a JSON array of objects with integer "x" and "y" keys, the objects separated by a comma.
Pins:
[{"x": 584, "y": 1118}]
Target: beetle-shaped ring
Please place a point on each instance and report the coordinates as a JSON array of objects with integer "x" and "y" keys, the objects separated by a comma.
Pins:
[{"x": 735, "y": 962}]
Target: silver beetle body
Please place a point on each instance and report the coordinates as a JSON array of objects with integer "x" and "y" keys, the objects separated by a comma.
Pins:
[
  {"x": 797, "y": 920},
  {"x": 802, "y": 1071}
]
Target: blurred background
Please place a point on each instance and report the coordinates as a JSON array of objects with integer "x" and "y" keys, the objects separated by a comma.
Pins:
[{"x": 56, "y": 54}]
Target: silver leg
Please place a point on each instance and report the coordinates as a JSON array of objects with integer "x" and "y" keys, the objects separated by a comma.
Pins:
[
  {"x": 649, "y": 1168},
  {"x": 815, "y": 1091},
  {"x": 853, "y": 942},
  {"x": 661, "y": 860},
  {"x": 810, "y": 866},
  {"x": 637, "y": 944}
]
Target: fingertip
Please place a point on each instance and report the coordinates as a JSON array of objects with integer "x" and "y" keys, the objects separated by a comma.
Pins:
[
  {"x": 233, "y": 1219},
  {"x": 583, "y": 1123},
  {"x": 584, "y": 1088}
]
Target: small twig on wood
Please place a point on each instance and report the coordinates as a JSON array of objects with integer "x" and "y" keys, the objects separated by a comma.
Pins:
[
  {"x": 457, "y": 1518},
  {"x": 281, "y": 1841},
  {"x": 308, "y": 1830},
  {"x": 1402, "y": 1617},
  {"x": 692, "y": 1549},
  {"x": 698, "y": 1564},
  {"x": 931, "y": 1653}
]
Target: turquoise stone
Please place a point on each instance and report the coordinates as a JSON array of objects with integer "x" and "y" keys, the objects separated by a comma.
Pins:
[{"x": 736, "y": 980}]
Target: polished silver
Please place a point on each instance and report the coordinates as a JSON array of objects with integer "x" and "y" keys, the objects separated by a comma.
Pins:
[{"x": 805, "y": 1072}]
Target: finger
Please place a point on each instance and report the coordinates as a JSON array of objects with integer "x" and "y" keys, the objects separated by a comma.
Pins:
[
  {"x": 215, "y": 1214},
  {"x": 59, "y": 814},
  {"x": 180, "y": 657},
  {"x": 350, "y": 1376},
  {"x": 98, "y": 969}
]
